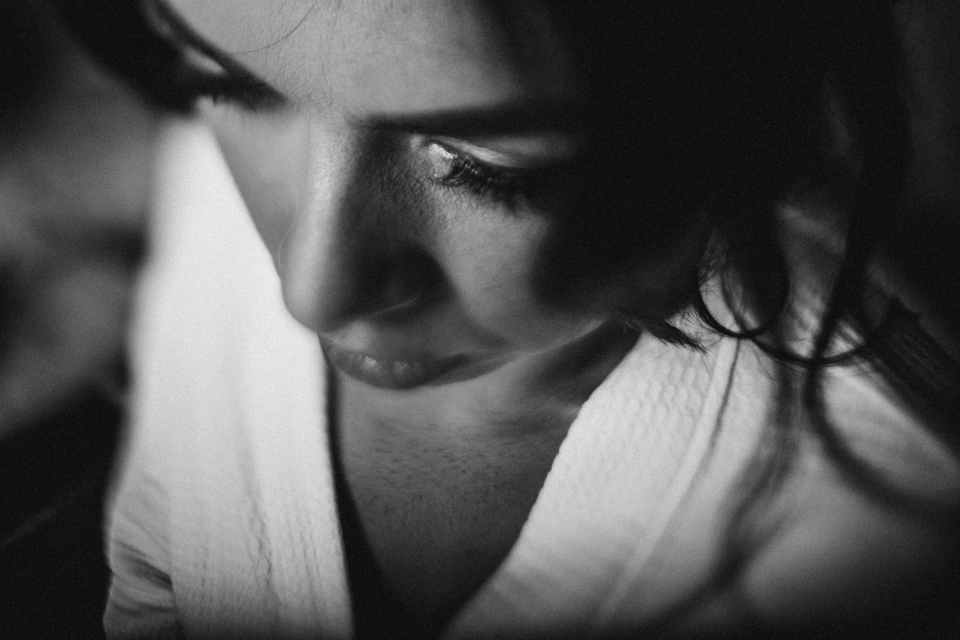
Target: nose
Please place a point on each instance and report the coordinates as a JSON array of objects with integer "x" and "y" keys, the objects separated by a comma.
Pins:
[{"x": 352, "y": 251}]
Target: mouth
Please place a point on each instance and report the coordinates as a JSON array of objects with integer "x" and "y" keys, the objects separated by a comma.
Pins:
[{"x": 387, "y": 373}]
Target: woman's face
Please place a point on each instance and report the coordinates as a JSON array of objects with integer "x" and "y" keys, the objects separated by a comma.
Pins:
[{"x": 394, "y": 181}]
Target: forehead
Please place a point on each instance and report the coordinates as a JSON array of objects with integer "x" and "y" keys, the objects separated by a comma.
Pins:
[{"x": 391, "y": 55}]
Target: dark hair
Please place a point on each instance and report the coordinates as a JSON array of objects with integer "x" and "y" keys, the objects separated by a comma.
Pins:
[{"x": 718, "y": 113}]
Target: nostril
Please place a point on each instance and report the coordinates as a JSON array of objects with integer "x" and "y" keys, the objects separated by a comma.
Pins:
[
  {"x": 397, "y": 294},
  {"x": 406, "y": 283}
]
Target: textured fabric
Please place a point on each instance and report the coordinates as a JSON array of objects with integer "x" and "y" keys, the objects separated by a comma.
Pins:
[{"x": 224, "y": 518}]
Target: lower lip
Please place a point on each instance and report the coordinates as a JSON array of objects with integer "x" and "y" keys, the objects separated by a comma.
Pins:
[{"x": 391, "y": 374}]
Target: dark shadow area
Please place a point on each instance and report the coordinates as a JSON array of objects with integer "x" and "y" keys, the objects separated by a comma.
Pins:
[{"x": 53, "y": 477}]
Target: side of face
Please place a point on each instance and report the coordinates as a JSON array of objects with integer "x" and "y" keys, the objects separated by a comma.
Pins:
[{"x": 411, "y": 180}]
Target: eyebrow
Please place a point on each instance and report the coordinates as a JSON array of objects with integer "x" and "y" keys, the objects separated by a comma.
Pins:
[
  {"x": 505, "y": 119},
  {"x": 186, "y": 35}
]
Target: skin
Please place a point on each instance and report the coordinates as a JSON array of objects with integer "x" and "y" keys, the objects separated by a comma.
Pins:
[{"x": 382, "y": 260}]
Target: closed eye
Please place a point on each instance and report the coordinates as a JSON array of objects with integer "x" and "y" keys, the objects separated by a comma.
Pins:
[
  {"x": 204, "y": 70},
  {"x": 480, "y": 178},
  {"x": 226, "y": 88}
]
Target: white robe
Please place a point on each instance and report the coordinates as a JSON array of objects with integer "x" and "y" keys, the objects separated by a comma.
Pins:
[{"x": 224, "y": 518}]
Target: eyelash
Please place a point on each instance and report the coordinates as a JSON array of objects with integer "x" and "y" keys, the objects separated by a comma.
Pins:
[
  {"x": 481, "y": 179},
  {"x": 194, "y": 83},
  {"x": 246, "y": 93}
]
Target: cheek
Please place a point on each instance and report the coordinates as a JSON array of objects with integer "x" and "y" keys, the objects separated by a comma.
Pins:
[
  {"x": 640, "y": 262},
  {"x": 265, "y": 154},
  {"x": 491, "y": 267}
]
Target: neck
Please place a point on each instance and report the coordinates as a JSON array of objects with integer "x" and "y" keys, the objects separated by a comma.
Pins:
[{"x": 438, "y": 483}]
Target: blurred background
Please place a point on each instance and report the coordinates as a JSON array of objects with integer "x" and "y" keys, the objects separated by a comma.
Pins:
[
  {"x": 75, "y": 158},
  {"x": 926, "y": 249},
  {"x": 76, "y": 151}
]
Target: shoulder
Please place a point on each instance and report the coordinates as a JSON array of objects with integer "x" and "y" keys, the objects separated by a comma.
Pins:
[
  {"x": 862, "y": 532},
  {"x": 865, "y": 532}
]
